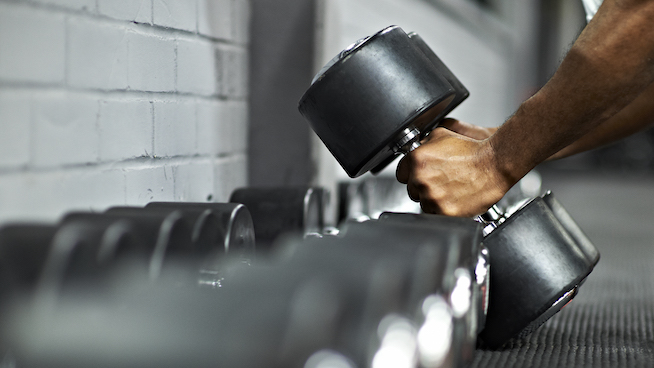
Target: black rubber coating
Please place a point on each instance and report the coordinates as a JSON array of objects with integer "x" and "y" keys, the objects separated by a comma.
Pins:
[
  {"x": 362, "y": 102},
  {"x": 534, "y": 262},
  {"x": 460, "y": 92},
  {"x": 276, "y": 211}
]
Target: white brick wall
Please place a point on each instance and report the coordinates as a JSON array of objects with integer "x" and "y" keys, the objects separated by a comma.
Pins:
[
  {"x": 125, "y": 129},
  {"x": 97, "y": 54},
  {"x": 117, "y": 102},
  {"x": 64, "y": 128},
  {"x": 15, "y": 117},
  {"x": 139, "y": 11},
  {"x": 179, "y": 14},
  {"x": 32, "y": 44},
  {"x": 197, "y": 68}
]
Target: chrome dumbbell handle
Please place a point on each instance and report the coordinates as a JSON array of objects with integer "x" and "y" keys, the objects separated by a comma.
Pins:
[{"x": 408, "y": 141}]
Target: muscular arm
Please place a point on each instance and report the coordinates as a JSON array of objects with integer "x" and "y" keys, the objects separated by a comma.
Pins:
[
  {"x": 609, "y": 65},
  {"x": 635, "y": 117}
]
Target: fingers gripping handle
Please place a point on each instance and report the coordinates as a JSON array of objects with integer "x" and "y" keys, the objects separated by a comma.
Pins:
[{"x": 409, "y": 140}]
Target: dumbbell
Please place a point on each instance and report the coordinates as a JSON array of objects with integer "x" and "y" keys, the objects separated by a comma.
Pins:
[
  {"x": 85, "y": 251},
  {"x": 163, "y": 236},
  {"x": 379, "y": 98},
  {"x": 281, "y": 210},
  {"x": 353, "y": 291},
  {"x": 220, "y": 230},
  {"x": 471, "y": 254},
  {"x": 538, "y": 265},
  {"x": 225, "y": 228},
  {"x": 440, "y": 261},
  {"x": 23, "y": 252},
  {"x": 452, "y": 265},
  {"x": 283, "y": 312}
]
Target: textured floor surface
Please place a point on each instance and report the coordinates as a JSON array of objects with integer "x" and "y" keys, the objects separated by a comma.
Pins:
[{"x": 611, "y": 321}]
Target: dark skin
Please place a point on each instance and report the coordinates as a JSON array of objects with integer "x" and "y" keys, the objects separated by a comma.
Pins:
[{"x": 601, "y": 92}]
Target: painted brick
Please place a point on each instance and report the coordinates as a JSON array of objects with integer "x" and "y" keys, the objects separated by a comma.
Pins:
[
  {"x": 21, "y": 198},
  {"x": 196, "y": 67},
  {"x": 241, "y": 27},
  {"x": 233, "y": 127},
  {"x": 222, "y": 127},
  {"x": 149, "y": 184},
  {"x": 90, "y": 189},
  {"x": 98, "y": 54},
  {"x": 215, "y": 18},
  {"x": 139, "y": 11},
  {"x": 45, "y": 196},
  {"x": 150, "y": 63},
  {"x": 178, "y": 14},
  {"x": 233, "y": 64},
  {"x": 125, "y": 128},
  {"x": 210, "y": 117},
  {"x": 194, "y": 181},
  {"x": 230, "y": 173},
  {"x": 83, "y": 5},
  {"x": 32, "y": 45},
  {"x": 174, "y": 128},
  {"x": 15, "y": 116},
  {"x": 65, "y": 129}
]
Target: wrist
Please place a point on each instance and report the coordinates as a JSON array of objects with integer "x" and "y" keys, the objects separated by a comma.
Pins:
[{"x": 499, "y": 173}]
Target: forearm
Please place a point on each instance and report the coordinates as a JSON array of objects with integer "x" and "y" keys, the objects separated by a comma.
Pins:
[
  {"x": 634, "y": 118},
  {"x": 609, "y": 65}
]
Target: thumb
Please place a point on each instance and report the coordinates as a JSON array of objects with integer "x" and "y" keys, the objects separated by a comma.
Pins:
[{"x": 403, "y": 170}]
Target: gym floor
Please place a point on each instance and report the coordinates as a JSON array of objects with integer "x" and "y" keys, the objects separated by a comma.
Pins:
[{"x": 611, "y": 321}]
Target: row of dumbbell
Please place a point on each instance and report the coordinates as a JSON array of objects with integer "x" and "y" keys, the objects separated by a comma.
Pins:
[
  {"x": 326, "y": 291},
  {"x": 93, "y": 273}
]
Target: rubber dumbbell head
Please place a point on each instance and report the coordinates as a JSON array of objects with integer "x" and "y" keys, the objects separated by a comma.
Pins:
[
  {"x": 24, "y": 250},
  {"x": 223, "y": 232},
  {"x": 378, "y": 97},
  {"x": 537, "y": 267},
  {"x": 281, "y": 210},
  {"x": 226, "y": 227}
]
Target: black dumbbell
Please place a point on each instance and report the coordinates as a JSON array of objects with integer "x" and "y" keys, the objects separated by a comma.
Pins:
[
  {"x": 361, "y": 139},
  {"x": 167, "y": 236},
  {"x": 24, "y": 249},
  {"x": 438, "y": 261},
  {"x": 283, "y": 312},
  {"x": 226, "y": 227},
  {"x": 452, "y": 265},
  {"x": 85, "y": 250},
  {"x": 378, "y": 98},
  {"x": 564, "y": 218},
  {"x": 219, "y": 230},
  {"x": 537, "y": 268},
  {"x": 281, "y": 210}
]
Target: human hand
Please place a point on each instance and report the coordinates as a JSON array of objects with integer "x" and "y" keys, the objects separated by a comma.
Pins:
[{"x": 453, "y": 175}]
